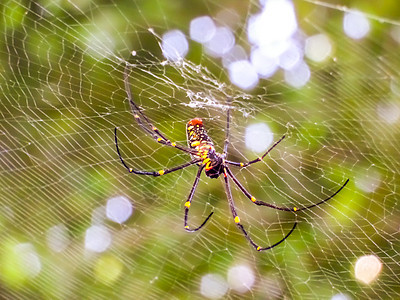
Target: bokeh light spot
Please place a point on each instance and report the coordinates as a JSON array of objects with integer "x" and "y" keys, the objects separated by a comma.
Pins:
[
  {"x": 119, "y": 209},
  {"x": 355, "y": 25},
  {"x": 97, "y": 238},
  {"x": 341, "y": 296},
  {"x": 258, "y": 137},
  {"x": 368, "y": 180},
  {"x": 57, "y": 237},
  {"x": 19, "y": 263},
  {"x": 29, "y": 259},
  {"x": 213, "y": 286},
  {"x": 298, "y": 76},
  {"x": 241, "y": 278},
  {"x": 243, "y": 74},
  {"x": 291, "y": 57},
  {"x": 202, "y": 29},
  {"x": 318, "y": 47},
  {"x": 221, "y": 43},
  {"x": 108, "y": 269},
  {"x": 388, "y": 112},
  {"x": 276, "y": 23},
  {"x": 264, "y": 65},
  {"x": 174, "y": 45},
  {"x": 368, "y": 268}
]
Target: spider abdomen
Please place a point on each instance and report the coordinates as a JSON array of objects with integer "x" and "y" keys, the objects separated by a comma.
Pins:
[{"x": 199, "y": 140}]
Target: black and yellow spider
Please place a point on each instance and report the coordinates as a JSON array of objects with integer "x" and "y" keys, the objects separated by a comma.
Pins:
[{"x": 202, "y": 151}]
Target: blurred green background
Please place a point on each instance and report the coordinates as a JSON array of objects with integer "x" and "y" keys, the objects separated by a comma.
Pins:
[{"x": 62, "y": 94}]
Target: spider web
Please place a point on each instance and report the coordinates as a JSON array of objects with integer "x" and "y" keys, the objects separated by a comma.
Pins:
[{"x": 63, "y": 233}]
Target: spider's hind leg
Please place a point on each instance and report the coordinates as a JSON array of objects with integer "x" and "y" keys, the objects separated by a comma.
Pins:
[
  {"x": 189, "y": 202},
  {"x": 240, "y": 226}
]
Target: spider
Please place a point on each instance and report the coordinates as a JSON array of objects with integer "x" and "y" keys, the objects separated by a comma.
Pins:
[{"x": 203, "y": 154}]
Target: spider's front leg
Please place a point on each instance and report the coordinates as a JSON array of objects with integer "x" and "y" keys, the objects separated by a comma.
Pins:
[
  {"x": 228, "y": 120},
  {"x": 144, "y": 122},
  {"x": 245, "y": 164}
]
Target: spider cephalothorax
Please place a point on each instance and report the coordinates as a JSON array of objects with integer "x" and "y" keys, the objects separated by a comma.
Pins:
[{"x": 202, "y": 151}]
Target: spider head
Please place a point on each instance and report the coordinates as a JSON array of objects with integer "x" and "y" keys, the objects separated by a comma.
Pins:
[{"x": 195, "y": 122}]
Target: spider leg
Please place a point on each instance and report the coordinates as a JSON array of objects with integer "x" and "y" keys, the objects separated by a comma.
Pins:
[
  {"x": 262, "y": 203},
  {"x": 149, "y": 127},
  {"x": 189, "y": 201},
  {"x": 152, "y": 173},
  {"x": 237, "y": 220},
  {"x": 226, "y": 143},
  {"x": 241, "y": 164},
  {"x": 322, "y": 201}
]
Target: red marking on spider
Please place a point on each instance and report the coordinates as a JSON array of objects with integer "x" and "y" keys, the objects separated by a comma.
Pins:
[{"x": 195, "y": 121}]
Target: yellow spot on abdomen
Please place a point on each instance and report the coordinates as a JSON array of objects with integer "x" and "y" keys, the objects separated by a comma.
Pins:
[
  {"x": 237, "y": 220},
  {"x": 205, "y": 153},
  {"x": 258, "y": 248},
  {"x": 136, "y": 116},
  {"x": 241, "y": 164},
  {"x": 206, "y": 161},
  {"x": 159, "y": 139},
  {"x": 186, "y": 227},
  {"x": 187, "y": 204},
  {"x": 130, "y": 170},
  {"x": 161, "y": 172},
  {"x": 253, "y": 199},
  {"x": 295, "y": 209}
]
